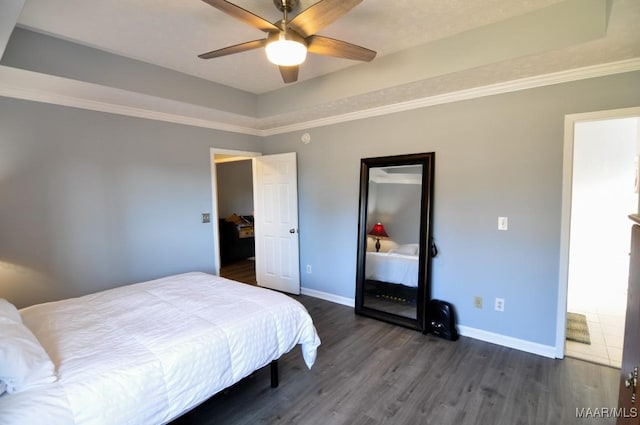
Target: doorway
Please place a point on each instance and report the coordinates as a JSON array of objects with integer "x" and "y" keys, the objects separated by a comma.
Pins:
[
  {"x": 603, "y": 195},
  {"x": 600, "y": 191},
  {"x": 232, "y": 218},
  {"x": 274, "y": 229}
]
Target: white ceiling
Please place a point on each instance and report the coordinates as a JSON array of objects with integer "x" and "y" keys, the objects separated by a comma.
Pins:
[
  {"x": 426, "y": 49},
  {"x": 171, "y": 33}
]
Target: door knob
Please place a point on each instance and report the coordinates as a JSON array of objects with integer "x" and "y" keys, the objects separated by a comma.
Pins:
[
  {"x": 292, "y": 230},
  {"x": 632, "y": 379},
  {"x": 631, "y": 382}
]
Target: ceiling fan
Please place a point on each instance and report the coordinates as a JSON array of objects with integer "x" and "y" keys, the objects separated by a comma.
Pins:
[{"x": 288, "y": 40}]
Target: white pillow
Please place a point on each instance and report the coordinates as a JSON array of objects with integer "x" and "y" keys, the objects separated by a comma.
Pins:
[
  {"x": 24, "y": 363},
  {"x": 407, "y": 249},
  {"x": 9, "y": 312}
]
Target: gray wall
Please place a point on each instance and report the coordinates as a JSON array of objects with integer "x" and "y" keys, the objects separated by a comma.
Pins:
[
  {"x": 495, "y": 156},
  {"x": 235, "y": 188},
  {"x": 90, "y": 200}
]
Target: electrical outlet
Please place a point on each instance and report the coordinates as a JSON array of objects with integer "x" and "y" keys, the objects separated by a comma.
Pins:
[
  {"x": 499, "y": 304},
  {"x": 477, "y": 302},
  {"x": 309, "y": 268}
]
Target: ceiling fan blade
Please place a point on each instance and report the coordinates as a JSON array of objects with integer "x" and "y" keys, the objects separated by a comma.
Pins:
[
  {"x": 243, "y": 15},
  {"x": 289, "y": 73},
  {"x": 338, "y": 48},
  {"x": 242, "y": 47},
  {"x": 321, "y": 14}
]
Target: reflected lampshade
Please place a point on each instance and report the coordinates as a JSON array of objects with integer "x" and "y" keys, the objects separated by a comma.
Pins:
[{"x": 378, "y": 231}]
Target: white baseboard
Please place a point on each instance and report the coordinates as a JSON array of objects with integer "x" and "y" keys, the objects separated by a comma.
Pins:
[
  {"x": 479, "y": 334},
  {"x": 507, "y": 341},
  {"x": 349, "y": 302}
]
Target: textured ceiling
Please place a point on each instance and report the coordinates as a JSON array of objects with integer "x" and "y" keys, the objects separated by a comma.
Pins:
[
  {"x": 172, "y": 33},
  {"x": 621, "y": 43}
]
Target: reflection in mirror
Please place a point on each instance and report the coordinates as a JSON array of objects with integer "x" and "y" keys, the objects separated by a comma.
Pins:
[
  {"x": 392, "y": 256},
  {"x": 393, "y": 274}
]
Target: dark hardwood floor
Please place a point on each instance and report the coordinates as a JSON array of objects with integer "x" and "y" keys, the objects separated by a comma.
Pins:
[
  {"x": 241, "y": 271},
  {"x": 369, "y": 372}
]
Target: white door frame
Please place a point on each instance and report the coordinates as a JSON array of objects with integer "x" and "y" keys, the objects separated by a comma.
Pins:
[
  {"x": 214, "y": 197},
  {"x": 565, "y": 225}
]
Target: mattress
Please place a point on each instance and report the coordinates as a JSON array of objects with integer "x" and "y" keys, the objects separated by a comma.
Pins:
[
  {"x": 392, "y": 268},
  {"x": 146, "y": 353}
]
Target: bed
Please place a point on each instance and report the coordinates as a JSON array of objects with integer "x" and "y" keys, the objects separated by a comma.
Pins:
[{"x": 144, "y": 353}]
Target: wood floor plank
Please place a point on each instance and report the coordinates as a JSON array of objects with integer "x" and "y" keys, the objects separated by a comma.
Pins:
[
  {"x": 370, "y": 372},
  {"x": 241, "y": 271}
]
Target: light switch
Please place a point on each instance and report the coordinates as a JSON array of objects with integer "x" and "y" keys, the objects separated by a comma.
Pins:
[
  {"x": 206, "y": 217},
  {"x": 503, "y": 223}
]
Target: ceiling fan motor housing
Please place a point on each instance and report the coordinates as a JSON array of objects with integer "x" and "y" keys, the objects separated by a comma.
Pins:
[
  {"x": 286, "y": 34},
  {"x": 289, "y": 5}
]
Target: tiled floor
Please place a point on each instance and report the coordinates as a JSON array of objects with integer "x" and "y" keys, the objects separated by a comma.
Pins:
[
  {"x": 606, "y": 332},
  {"x": 605, "y": 318}
]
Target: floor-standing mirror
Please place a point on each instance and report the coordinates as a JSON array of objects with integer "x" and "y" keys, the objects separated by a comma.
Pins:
[{"x": 393, "y": 281}]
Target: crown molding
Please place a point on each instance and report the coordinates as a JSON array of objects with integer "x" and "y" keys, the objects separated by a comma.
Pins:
[
  {"x": 476, "y": 92},
  {"x": 33, "y": 86},
  {"x": 28, "y": 85}
]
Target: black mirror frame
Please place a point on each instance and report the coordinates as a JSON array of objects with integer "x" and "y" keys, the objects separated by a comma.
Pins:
[{"x": 427, "y": 160}]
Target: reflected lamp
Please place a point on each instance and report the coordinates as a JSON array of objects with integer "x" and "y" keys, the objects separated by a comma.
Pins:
[{"x": 377, "y": 231}]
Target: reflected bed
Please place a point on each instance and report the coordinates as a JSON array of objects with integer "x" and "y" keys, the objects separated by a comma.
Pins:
[{"x": 390, "y": 267}]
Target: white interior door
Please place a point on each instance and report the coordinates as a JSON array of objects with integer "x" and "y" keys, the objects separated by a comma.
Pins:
[{"x": 275, "y": 193}]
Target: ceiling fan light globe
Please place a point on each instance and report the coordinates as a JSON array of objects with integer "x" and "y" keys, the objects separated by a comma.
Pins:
[{"x": 286, "y": 52}]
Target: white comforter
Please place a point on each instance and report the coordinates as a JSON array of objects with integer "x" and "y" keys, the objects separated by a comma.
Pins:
[
  {"x": 392, "y": 268},
  {"x": 146, "y": 353}
]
